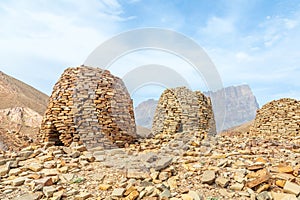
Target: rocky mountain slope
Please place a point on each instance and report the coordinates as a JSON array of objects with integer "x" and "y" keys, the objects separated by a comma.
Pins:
[
  {"x": 15, "y": 93},
  {"x": 21, "y": 116},
  {"x": 144, "y": 113},
  {"x": 21, "y": 110},
  {"x": 238, "y": 130},
  {"x": 241, "y": 106},
  {"x": 19, "y": 127}
]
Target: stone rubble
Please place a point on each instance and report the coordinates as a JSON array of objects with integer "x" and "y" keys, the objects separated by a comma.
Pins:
[
  {"x": 220, "y": 167},
  {"x": 91, "y": 151}
]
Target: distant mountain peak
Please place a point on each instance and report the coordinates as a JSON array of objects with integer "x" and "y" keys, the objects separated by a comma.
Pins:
[
  {"x": 144, "y": 113},
  {"x": 240, "y": 105}
]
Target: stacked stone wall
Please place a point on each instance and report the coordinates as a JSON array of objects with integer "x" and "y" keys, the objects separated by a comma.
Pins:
[
  {"x": 181, "y": 110},
  {"x": 92, "y": 106},
  {"x": 278, "y": 117}
]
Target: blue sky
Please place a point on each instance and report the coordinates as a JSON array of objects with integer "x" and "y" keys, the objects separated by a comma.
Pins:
[{"x": 254, "y": 42}]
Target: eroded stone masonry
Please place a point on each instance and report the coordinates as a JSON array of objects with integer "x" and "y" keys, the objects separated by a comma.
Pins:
[
  {"x": 89, "y": 105},
  {"x": 278, "y": 117},
  {"x": 180, "y": 109}
]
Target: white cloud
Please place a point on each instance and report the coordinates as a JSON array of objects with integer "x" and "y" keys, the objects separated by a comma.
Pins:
[
  {"x": 242, "y": 56},
  {"x": 113, "y": 4},
  {"x": 264, "y": 57},
  {"x": 216, "y": 26},
  {"x": 61, "y": 32},
  {"x": 277, "y": 28},
  {"x": 290, "y": 24},
  {"x": 133, "y": 1}
]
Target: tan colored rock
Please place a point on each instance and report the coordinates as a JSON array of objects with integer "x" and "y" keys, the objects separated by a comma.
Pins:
[
  {"x": 282, "y": 169},
  {"x": 256, "y": 166},
  {"x": 18, "y": 181},
  {"x": 284, "y": 176},
  {"x": 208, "y": 177},
  {"x": 4, "y": 169},
  {"x": 280, "y": 183},
  {"x": 15, "y": 172},
  {"x": 186, "y": 197},
  {"x": 285, "y": 169},
  {"x": 261, "y": 160},
  {"x": 257, "y": 174},
  {"x": 226, "y": 193},
  {"x": 154, "y": 175},
  {"x": 83, "y": 196},
  {"x": 49, "y": 190},
  {"x": 222, "y": 182},
  {"x": 237, "y": 186},
  {"x": 291, "y": 188},
  {"x": 172, "y": 182},
  {"x": 129, "y": 190},
  {"x": 49, "y": 164},
  {"x": 150, "y": 198},
  {"x": 264, "y": 196},
  {"x": 80, "y": 148},
  {"x": 283, "y": 196},
  {"x": 133, "y": 195},
  {"x": 137, "y": 174},
  {"x": 49, "y": 172},
  {"x": 45, "y": 158},
  {"x": 63, "y": 169},
  {"x": 58, "y": 195},
  {"x": 163, "y": 176},
  {"x": 46, "y": 181},
  {"x": 29, "y": 196},
  {"x": 263, "y": 187},
  {"x": 195, "y": 195},
  {"x": 118, "y": 192},
  {"x": 258, "y": 181},
  {"x": 35, "y": 167},
  {"x": 104, "y": 187}
]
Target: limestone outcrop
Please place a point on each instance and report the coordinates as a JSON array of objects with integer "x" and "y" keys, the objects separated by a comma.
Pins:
[{"x": 240, "y": 106}]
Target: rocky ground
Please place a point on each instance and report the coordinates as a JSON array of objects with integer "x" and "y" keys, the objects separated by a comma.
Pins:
[
  {"x": 179, "y": 167},
  {"x": 19, "y": 127}
]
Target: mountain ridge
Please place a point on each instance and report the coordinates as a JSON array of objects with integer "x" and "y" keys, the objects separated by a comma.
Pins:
[
  {"x": 20, "y": 94},
  {"x": 240, "y": 105}
]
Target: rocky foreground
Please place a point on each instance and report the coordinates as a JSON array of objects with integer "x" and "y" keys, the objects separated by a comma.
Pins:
[{"x": 178, "y": 167}]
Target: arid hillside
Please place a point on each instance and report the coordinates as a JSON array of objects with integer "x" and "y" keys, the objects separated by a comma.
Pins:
[
  {"x": 21, "y": 111},
  {"x": 15, "y": 93}
]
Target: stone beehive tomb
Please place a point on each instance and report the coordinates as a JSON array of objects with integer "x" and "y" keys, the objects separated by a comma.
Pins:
[
  {"x": 89, "y": 105},
  {"x": 278, "y": 117},
  {"x": 180, "y": 109}
]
